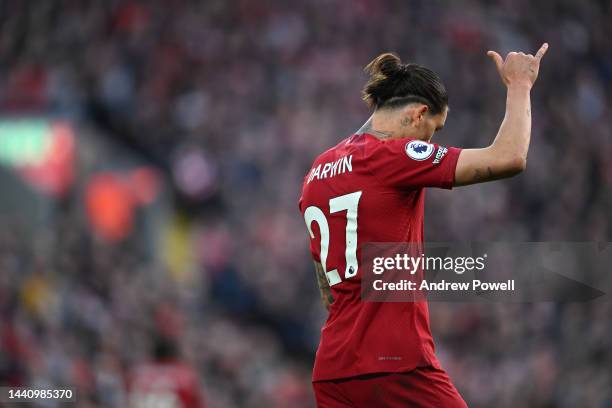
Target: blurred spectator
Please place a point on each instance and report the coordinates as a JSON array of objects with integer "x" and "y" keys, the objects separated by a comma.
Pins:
[{"x": 166, "y": 381}]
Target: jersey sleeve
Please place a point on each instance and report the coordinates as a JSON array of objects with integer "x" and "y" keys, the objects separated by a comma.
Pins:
[{"x": 405, "y": 163}]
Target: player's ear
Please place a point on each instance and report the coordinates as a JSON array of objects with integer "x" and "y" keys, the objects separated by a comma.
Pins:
[
  {"x": 418, "y": 114},
  {"x": 423, "y": 109}
]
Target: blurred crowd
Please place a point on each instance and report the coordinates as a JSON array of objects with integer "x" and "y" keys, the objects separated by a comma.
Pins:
[{"x": 250, "y": 92}]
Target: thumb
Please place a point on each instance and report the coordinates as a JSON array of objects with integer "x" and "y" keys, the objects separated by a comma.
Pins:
[
  {"x": 497, "y": 59},
  {"x": 541, "y": 51}
]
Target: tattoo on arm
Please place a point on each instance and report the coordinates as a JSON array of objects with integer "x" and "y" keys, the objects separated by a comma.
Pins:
[
  {"x": 326, "y": 295},
  {"x": 482, "y": 174}
]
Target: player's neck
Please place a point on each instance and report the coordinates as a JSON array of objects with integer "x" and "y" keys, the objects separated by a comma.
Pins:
[
  {"x": 383, "y": 128},
  {"x": 368, "y": 128}
]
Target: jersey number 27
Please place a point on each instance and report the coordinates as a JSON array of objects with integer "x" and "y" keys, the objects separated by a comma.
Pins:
[{"x": 348, "y": 203}]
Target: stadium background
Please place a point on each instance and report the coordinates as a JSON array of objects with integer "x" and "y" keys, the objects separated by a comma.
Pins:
[{"x": 152, "y": 155}]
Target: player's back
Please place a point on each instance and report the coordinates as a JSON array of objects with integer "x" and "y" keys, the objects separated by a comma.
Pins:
[{"x": 370, "y": 190}]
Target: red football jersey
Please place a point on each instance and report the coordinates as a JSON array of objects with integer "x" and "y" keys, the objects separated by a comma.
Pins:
[{"x": 370, "y": 190}]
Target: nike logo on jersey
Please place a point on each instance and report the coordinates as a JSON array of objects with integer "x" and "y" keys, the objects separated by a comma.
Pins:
[{"x": 331, "y": 169}]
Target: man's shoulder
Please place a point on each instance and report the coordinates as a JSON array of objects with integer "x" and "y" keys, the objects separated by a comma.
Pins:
[
  {"x": 337, "y": 160},
  {"x": 343, "y": 145}
]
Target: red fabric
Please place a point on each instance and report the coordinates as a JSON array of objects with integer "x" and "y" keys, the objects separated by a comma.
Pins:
[
  {"x": 421, "y": 388},
  {"x": 366, "y": 337}
]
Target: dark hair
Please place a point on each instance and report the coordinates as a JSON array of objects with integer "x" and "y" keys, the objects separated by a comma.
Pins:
[{"x": 393, "y": 84}]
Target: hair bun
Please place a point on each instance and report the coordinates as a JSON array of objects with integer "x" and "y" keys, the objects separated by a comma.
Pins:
[
  {"x": 387, "y": 65},
  {"x": 405, "y": 69},
  {"x": 392, "y": 84}
]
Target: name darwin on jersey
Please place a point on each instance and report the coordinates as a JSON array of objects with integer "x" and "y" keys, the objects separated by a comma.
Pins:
[{"x": 330, "y": 169}]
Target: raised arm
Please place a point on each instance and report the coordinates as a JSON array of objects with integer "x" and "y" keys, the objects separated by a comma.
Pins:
[{"x": 507, "y": 156}]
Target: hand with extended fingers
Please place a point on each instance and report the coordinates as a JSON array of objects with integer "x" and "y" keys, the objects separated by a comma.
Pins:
[{"x": 519, "y": 68}]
